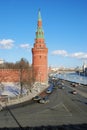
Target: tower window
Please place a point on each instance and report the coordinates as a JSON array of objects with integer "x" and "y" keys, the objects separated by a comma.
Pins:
[{"x": 40, "y": 57}]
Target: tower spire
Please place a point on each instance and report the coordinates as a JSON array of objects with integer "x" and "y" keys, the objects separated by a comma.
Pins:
[
  {"x": 39, "y": 16},
  {"x": 39, "y": 32}
]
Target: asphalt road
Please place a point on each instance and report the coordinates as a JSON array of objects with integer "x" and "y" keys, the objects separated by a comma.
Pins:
[{"x": 64, "y": 108}]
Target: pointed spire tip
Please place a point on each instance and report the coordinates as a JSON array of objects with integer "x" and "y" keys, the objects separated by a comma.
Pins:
[{"x": 39, "y": 15}]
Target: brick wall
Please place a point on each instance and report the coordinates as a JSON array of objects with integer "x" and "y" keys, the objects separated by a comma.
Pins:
[{"x": 13, "y": 75}]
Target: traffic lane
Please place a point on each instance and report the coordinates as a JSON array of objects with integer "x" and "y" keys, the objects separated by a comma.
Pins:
[
  {"x": 34, "y": 104},
  {"x": 83, "y": 88},
  {"x": 78, "y": 88},
  {"x": 78, "y": 102},
  {"x": 22, "y": 114},
  {"x": 69, "y": 89},
  {"x": 63, "y": 112},
  {"x": 61, "y": 109},
  {"x": 37, "y": 107},
  {"x": 55, "y": 97},
  {"x": 78, "y": 99},
  {"x": 29, "y": 103}
]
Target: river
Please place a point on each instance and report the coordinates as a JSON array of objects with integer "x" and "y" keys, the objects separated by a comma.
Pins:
[{"x": 74, "y": 77}]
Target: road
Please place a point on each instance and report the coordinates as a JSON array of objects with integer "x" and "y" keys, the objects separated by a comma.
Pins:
[{"x": 64, "y": 108}]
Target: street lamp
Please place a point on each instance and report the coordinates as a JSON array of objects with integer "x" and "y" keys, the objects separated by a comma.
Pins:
[
  {"x": 21, "y": 83},
  {"x": 40, "y": 77}
]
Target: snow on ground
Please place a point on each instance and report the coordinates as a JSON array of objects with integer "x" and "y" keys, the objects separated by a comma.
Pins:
[{"x": 11, "y": 89}]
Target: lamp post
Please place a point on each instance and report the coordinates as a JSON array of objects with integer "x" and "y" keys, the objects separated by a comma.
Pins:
[
  {"x": 40, "y": 77},
  {"x": 21, "y": 84}
]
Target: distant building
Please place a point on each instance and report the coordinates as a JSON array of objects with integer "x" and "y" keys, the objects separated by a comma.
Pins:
[
  {"x": 84, "y": 66},
  {"x": 86, "y": 70},
  {"x": 1, "y": 61}
]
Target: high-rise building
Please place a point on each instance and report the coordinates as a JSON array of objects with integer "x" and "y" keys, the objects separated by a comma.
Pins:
[
  {"x": 1, "y": 61},
  {"x": 40, "y": 54}
]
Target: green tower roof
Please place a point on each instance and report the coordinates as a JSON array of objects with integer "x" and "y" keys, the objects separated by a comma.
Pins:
[{"x": 40, "y": 32}]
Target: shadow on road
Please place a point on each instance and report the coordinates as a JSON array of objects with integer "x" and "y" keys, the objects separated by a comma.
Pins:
[
  {"x": 20, "y": 127},
  {"x": 60, "y": 127}
]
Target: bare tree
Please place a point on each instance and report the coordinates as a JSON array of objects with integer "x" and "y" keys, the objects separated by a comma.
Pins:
[{"x": 26, "y": 77}]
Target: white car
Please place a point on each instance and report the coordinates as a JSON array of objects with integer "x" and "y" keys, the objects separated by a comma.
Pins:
[
  {"x": 44, "y": 100},
  {"x": 74, "y": 92}
]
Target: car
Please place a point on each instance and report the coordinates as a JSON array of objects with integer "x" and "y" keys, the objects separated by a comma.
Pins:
[
  {"x": 74, "y": 92},
  {"x": 36, "y": 98},
  {"x": 62, "y": 87},
  {"x": 74, "y": 84},
  {"x": 50, "y": 89},
  {"x": 44, "y": 100},
  {"x": 60, "y": 83}
]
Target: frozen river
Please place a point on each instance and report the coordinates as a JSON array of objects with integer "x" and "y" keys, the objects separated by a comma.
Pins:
[{"x": 74, "y": 77}]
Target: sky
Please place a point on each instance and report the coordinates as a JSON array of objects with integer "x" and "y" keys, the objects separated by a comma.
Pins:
[{"x": 65, "y": 28}]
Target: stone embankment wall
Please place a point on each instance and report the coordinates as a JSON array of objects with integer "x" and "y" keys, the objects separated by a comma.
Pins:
[{"x": 13, "y": 75}]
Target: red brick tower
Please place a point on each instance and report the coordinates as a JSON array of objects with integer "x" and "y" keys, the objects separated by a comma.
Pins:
[{"x": 39, "y": 54}]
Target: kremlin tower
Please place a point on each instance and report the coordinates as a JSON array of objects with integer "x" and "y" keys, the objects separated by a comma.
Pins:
[{"x": 40, "y": 54}]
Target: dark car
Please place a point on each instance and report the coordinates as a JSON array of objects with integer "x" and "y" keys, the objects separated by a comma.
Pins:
[
  {"x": 74, "y": 84},
  {"x": 36, "y": 98},
  {"x": 50, "y": 89},
  {"x": 62, "y": 87}
]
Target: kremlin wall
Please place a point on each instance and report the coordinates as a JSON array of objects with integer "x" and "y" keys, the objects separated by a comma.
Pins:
[
  {"x": 9, "y": 75},
  {"x": 14, "y": 75}
]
